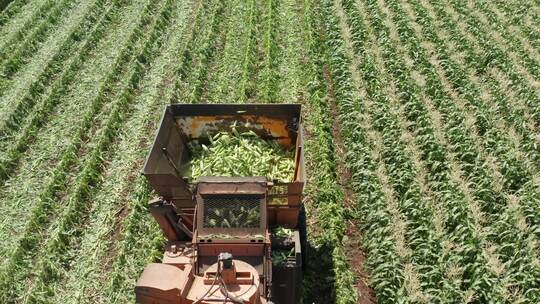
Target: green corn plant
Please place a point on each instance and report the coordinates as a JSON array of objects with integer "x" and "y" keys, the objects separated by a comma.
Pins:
[
  {"x": 191, "y": 51},
  {"x": 40, "y": 116},
  {"x": 11, "y": 10},
  {"x": 70, "y": 154},
  {"x": 244, "y": 90},
  {"x": 35, "y": 90},
  {"x": 460, "y": 231},
  {"x": 517, "y": 17},
  {"x": 513, "y": 43},
  {"x": 471, "y": 168},
  {"x": 19, "y": 36},
  {"x": 46, "y": 202},
  {"x": 66, "y": 159},
  {"x": 76, "y": 208},
  {"x": 269, "y": 82},
  {"x": 205, "y": 55},
  {"x": 19, "y": 57}
]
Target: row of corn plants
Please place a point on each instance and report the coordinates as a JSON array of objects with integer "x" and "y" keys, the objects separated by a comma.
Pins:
[
  {"x": 198, "y": 46},
  {"x": 247, "y": 88},
  {"x": 407, "y": 32},
  {"x": 512, "y": 43},
  {"x": 494, "y": 199},
  {"x": 54, "y": 258},
  {"x": 513, "y": 109},
  {"x": 237, "y": 60},
  {"x": 236, "y": 67},
  {"x": 413, "y": 53},
  {"x": 530, "y": 203},
  {"x": 517, "y": 17},
  {"x": 141, "y": 240},
  {"x": 95, "y": 208},
  {"x": 27, "y": 182},
  {"x": 17, "y": 88},
  {"x": 515, "y": 13},
  {"x": 436, "y": 92},
  {"x": 532, "y": 31},
  {"x": 15, "y": 148},
  {"x": 21, "y": 257},
  {"x": 269, "y": 81},
  {"x": 41, "y": 147},
  {"x": 465, "y": 46},
  {"x": 326, "y": 203},
  {"x": 414, "y": 202},
  {"x": 519, "y": 130},
  {"x": 19, "y": 56},
  {"x": 514, "y": 171},
  {"x": 459, "y": 223},
  {"x": 493, "y": 202},
  {"x": 204, "y": 54},
  {"x": 14, "y": 18},
  {"x": 285, "y": 56},
  {"x": 13, "y": 86},
  {"x": 516, "y": 120},
  {"x": 89, "y": 273},
  {"x": 74, "y": 44},
  {"x": 37, "y": 11},
  {"x": 385, "y": 264},
  {"x": 487, "y": 62},
  {"x": 522, "y": 17},
  {"x": 496, "y": 56},
  {"x": 11, "y": 11},
  {"x": 511, "y": 172}
]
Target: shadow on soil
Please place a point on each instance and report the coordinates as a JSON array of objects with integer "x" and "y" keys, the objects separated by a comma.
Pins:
[{"x": 319, "y": 275}]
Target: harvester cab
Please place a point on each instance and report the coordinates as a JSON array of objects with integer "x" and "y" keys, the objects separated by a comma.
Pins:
[{"x": 222, "y": 244}]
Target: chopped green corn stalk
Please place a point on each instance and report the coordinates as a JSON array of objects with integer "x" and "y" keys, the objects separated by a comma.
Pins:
[
  {"x": 241, "y": 154},
  {"x": 282, "y": 232},
  {"x": 280, "y": 257},
  {"x": 233, "y": 217}
]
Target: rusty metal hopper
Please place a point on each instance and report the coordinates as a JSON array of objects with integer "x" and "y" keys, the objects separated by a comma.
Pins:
[{"x": 182, "y": 123}]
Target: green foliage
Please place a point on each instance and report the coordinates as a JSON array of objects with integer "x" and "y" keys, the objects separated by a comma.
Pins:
[
  {"x": 19, "y": 56},
  {"x": 12, "y": 9},
  {"x": 436, "y": 163},
  {"x": 241, "y": 154}
]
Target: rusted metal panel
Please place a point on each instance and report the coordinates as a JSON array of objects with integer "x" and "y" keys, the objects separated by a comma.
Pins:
[
  {"x": 232, "y": 186},
  {"x": 167, "y": 153},
  {"x": 210, "y": 249},
  {"x": 199, "y": 127},
  {"x": 162, "y": 283},
  {"x": 287, "y": 279}
]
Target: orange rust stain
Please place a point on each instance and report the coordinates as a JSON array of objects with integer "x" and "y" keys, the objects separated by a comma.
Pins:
[{"x": 274, "y": 126}]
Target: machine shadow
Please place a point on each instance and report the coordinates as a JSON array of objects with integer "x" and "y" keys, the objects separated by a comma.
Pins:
[{"x": 319, "y": 275}]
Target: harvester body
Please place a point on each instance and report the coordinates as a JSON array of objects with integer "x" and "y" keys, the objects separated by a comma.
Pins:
[{"x": 218, "y": 229}]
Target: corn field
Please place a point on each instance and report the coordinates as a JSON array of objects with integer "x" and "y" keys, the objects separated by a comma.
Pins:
[{"x": 422, "y": 139}]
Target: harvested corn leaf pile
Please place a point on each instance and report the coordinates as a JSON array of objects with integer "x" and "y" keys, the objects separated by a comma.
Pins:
[
  {"x": 241, "y": 154},
  {"x": 280, "y": 256}
]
